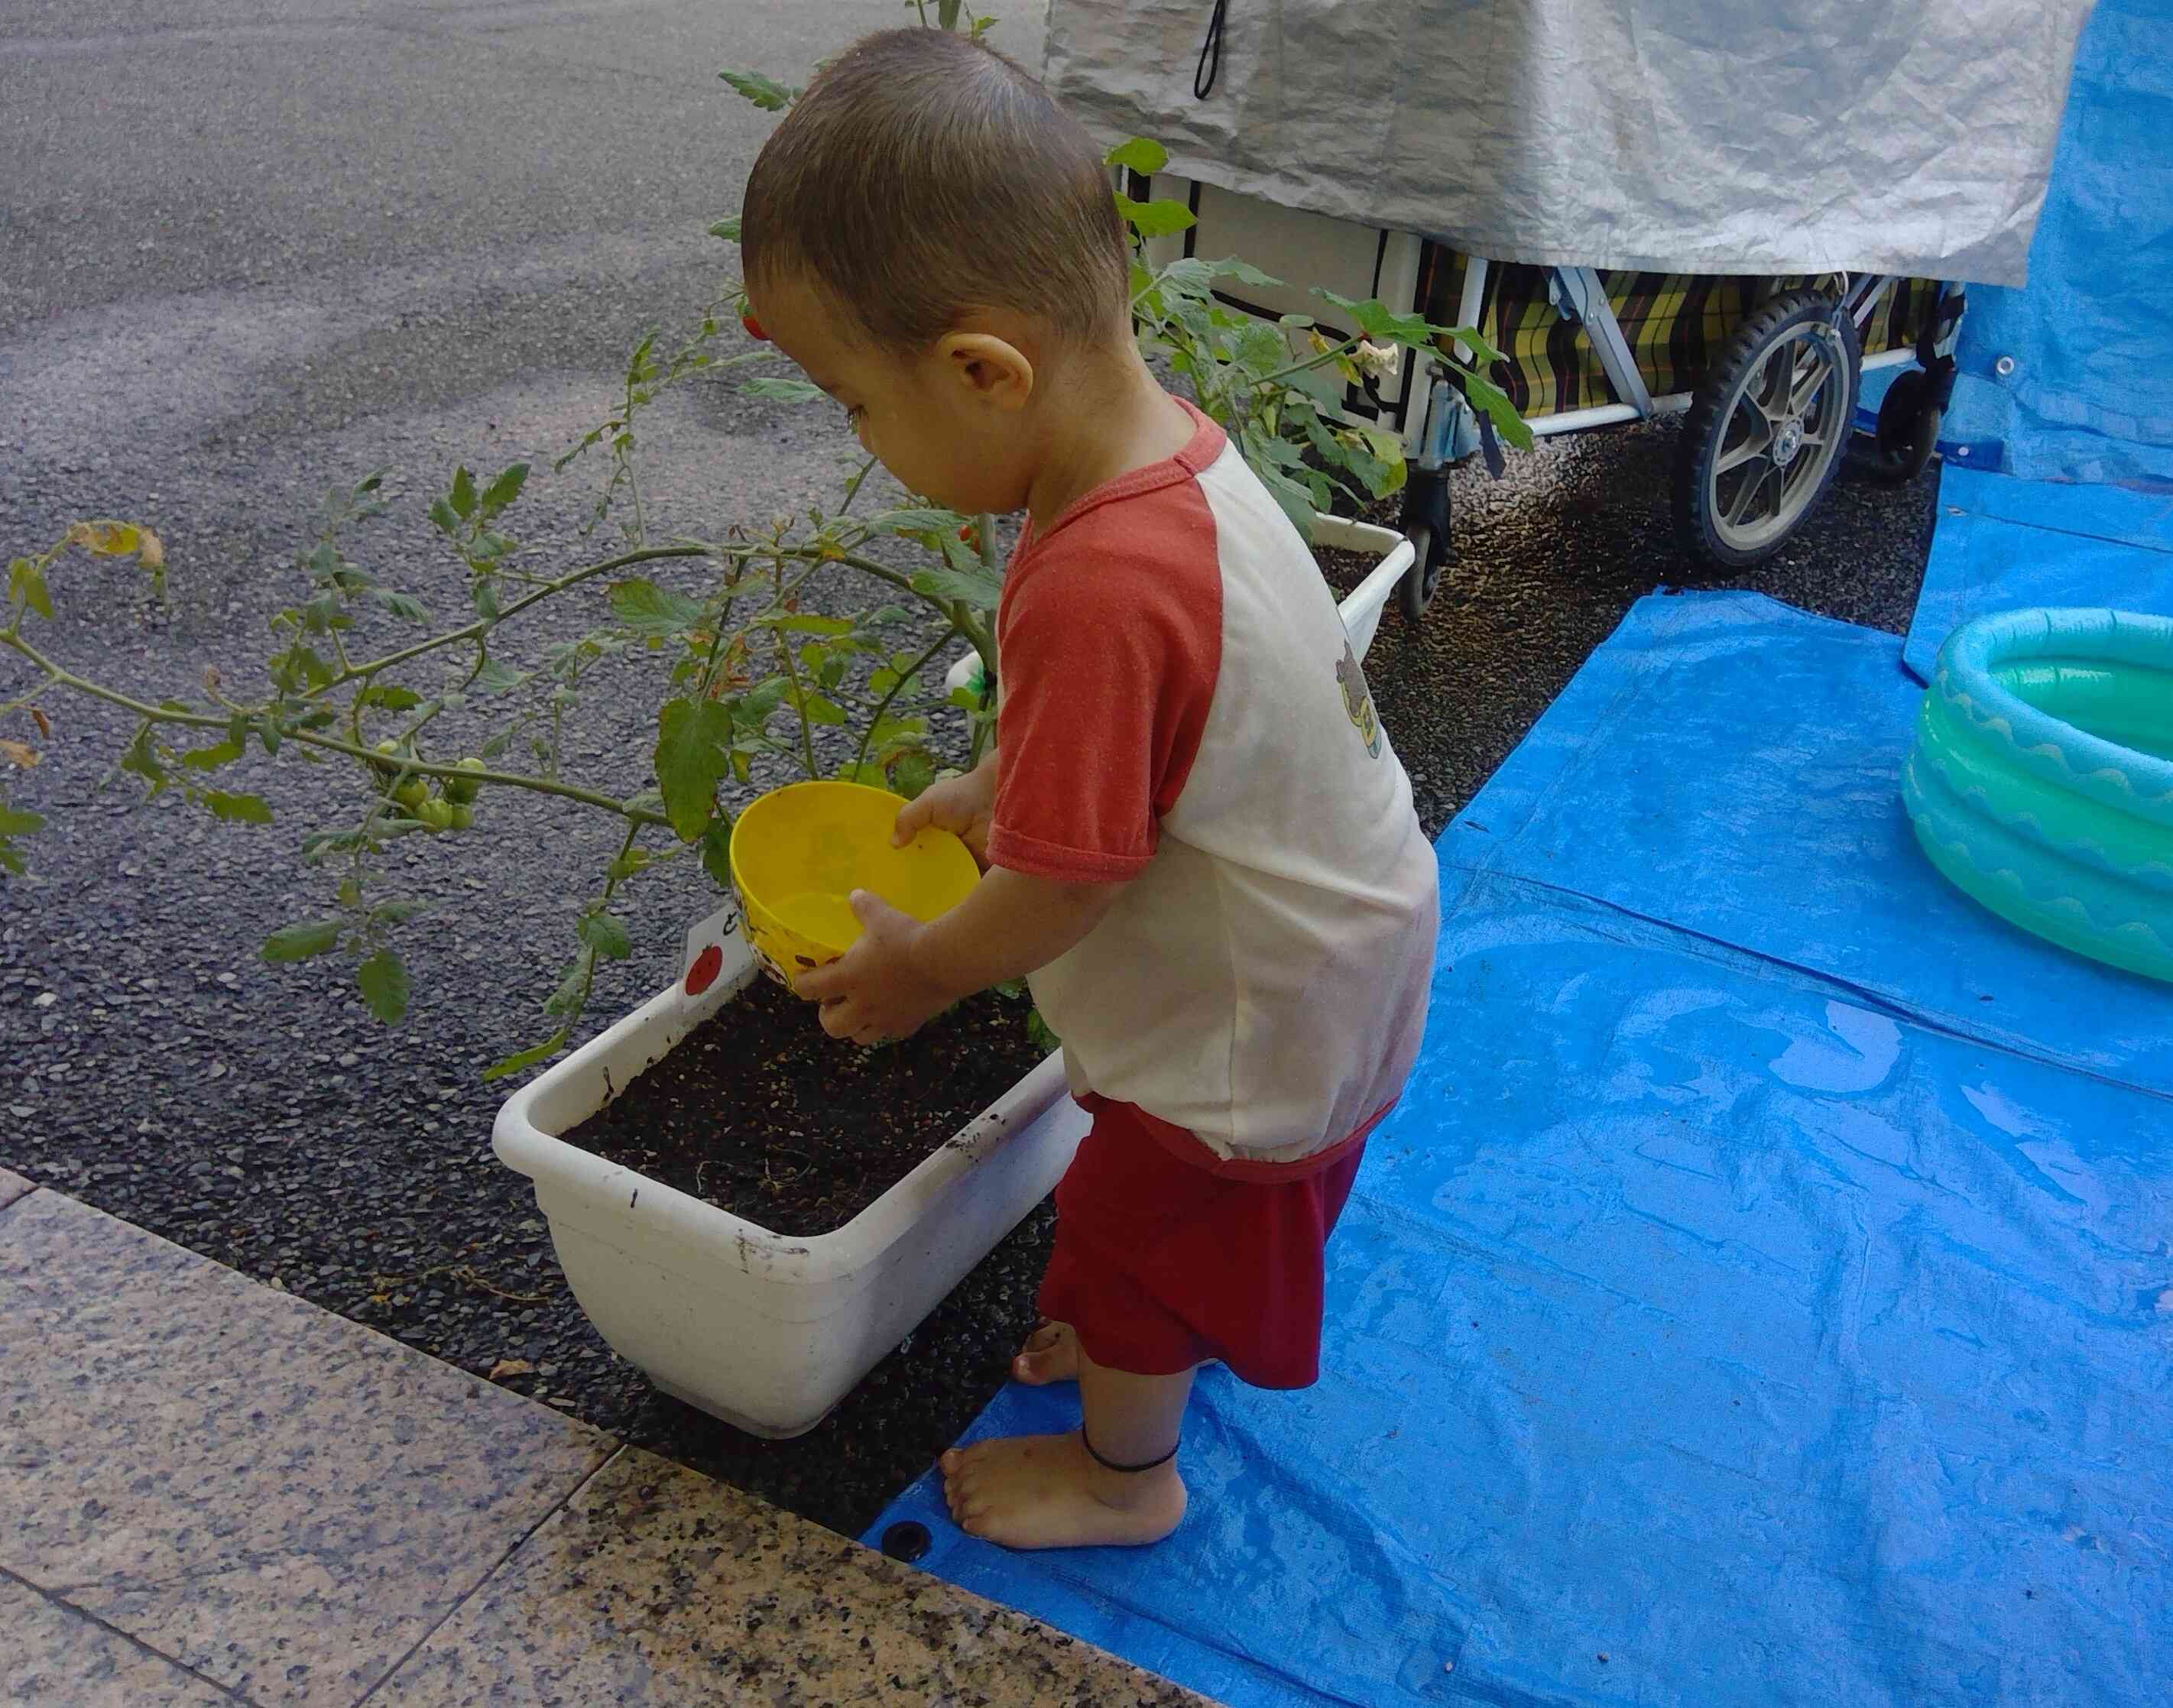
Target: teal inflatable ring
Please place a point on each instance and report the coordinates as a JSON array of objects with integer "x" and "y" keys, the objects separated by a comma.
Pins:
[{"x": 2040, "y": 782}]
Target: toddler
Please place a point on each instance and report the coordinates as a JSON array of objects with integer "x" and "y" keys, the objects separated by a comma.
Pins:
[{"x": 1200, "y": 850}]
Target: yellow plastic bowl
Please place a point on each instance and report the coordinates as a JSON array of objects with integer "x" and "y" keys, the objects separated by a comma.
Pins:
[{"x": 799, "y": 852}]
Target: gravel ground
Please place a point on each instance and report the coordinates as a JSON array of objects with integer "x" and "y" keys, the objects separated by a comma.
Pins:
[{"x": 215, "y": 302}]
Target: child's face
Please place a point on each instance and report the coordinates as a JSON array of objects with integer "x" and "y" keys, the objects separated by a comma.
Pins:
[{"x": 950, "y": 423}]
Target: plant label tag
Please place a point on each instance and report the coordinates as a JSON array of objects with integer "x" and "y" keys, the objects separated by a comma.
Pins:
[{"x": 706, "y": 941}]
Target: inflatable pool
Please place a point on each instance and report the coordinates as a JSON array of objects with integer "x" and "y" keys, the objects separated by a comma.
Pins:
[{"x": 2041, "y": 779}]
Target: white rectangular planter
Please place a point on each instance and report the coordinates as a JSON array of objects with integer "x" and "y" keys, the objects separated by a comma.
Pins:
[{"x": 767, "y": 1331}]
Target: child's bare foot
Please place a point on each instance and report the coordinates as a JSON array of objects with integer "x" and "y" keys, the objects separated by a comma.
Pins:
[
  {"x": 1051, "y": 1354},
  {"x": 1045, "y": 1491}
]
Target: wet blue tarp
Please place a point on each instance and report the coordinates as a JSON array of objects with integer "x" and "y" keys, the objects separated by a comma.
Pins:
[
  {"x": 2005, "y": 544},
  {"x": 1764, "y": 1294},
  {"x": 2090, "y": 396}
]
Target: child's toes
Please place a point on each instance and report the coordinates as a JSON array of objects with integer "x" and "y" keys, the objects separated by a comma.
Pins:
[{"x": 1051, "y": 1354}]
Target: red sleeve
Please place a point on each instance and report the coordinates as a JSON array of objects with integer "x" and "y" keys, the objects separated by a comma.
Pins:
[{"x": 1109, "y": 640}]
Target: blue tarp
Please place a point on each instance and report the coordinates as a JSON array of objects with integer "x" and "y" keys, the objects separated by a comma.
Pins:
[
  {"x": 2090, "y": 396},
  {"x": 1764, "y": 1294},
  {"x": 2004, "y": 544}
]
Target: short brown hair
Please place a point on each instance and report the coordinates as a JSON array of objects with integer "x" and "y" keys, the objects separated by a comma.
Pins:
[{"x": 923, "y": 174}]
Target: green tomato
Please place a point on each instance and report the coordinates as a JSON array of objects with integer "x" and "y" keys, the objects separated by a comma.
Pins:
[
  {"x": 459, "y": 790},
  {"x": 463, "y": 815},
  {"x": 382, "y": 768},
  {"x": 434, "y": 816},
  {"x": 414, "y": 794}
]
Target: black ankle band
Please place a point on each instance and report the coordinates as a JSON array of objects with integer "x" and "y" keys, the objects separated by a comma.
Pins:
[{"x": 1112, "y": 1465}]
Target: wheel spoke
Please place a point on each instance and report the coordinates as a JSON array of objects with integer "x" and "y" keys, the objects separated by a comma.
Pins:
[
  {"x": 1752, "y": 484},
  {"x": 1750, "y": 448},
  {"x": 1769, "y": 387},
  {"x": 1808, "y": 385}
]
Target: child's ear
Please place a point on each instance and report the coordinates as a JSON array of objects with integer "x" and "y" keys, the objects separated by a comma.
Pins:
[{"x": 994, "y": 369}]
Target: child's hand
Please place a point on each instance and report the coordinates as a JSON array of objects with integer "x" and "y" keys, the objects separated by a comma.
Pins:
[
  {"x": 963, "y": 805},
  {"x": 876, "y": 993}
]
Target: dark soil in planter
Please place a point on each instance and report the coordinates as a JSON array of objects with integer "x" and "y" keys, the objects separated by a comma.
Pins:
[{"x": 761, "y": 1113}]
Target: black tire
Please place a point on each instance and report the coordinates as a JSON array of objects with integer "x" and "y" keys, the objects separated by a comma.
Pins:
[
  {"x": 1907, "y": 434},
  {"x": 1743, "y": 481},
  {"x": 1425, "y": 525}
]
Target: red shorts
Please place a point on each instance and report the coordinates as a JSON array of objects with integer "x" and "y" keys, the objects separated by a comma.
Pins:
[{"x": 1162, "y": 1264}]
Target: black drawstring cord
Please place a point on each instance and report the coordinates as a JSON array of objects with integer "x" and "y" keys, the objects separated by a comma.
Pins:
[{"x": 1210, "y": 56}]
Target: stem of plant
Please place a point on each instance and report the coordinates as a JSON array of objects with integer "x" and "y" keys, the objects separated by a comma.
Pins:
[
  {"x": 1326, "y": 356},
  {"x": 799, "y": 704},
  {"x": 883, "y": 707},
  {"x": 482, "y": 625}
]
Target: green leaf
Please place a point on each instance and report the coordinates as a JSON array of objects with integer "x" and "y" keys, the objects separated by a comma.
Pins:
[
  {"x": 399, "y": 912},
  {"x": 26, "y": 585},
  {"x": 1495, "y": 402},
  {"x": 648, "y": 609},
  {"x": 384, "y": 983},
  {"x": 1246, "y": 274},
  {"x": 496, "y": 678},
  {"x": 1472, "y": 342},
  {"x": 1262, "y": 350},
  {"x": 912, "y": 772},
  {"x": 771, "y": 97},
  {"x": 606, "y": 936},
  {"x": 728, "y": 228},
  {"x": 574, "y": 989},
  {"x": 969, "y": 581},
  {"x": 211, "y": 758},
  {"x": 390, "y": 696},
  {"x": 14, "y": 821},
  {"x": 631, "y": 864},
  {"x": 463, "y": 495},
  {"x": 314, "y": 671},
  {"x": 1188, "y": 278},
  {"x": 1155, "y": 219},
  {"x": 528, "y": 1058},
  {"x": 446, "y": 517},
  {"x": 141, "y": 757},
  {"x": 405, "y": 606},
  {"x": 503, "y": 490},
  {"x": 237, "y": 808},
  {"x": 1380, "y": 323},
  {"x": 691, "y": 761},
  {"x": 816, "y": 709},
  {"x": 757, "y": 703},
  {"x": 782, "y": 390},
  {"x": 804, "y": 623},
  {"x": 717, "y": 853},
  {"x": 1265, "y": 455},
  {"x": 299, "y": 942},
  {"x": 1141, "y": 154},
  {"x": 917, "y": 521}
]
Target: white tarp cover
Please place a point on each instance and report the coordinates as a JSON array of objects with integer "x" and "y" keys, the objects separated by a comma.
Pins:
[{"x": 1762, "y": 136}]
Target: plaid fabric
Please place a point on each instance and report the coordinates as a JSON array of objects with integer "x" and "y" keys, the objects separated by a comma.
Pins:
[
  {"x": 1674, "y": 323},
  {"x": 1895, "y": 325},
  {"x": 1900, "y": 311}
]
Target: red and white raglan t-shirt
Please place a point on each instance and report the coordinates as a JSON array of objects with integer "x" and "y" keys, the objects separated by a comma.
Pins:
[{"x": 1182, "y": 711}]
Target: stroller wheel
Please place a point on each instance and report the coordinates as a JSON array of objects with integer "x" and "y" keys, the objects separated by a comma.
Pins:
[
  {"x": 1766, "y": 432},
  {"x": 1907, "y": 434},
  {"x": 1425, "y": 525}
]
